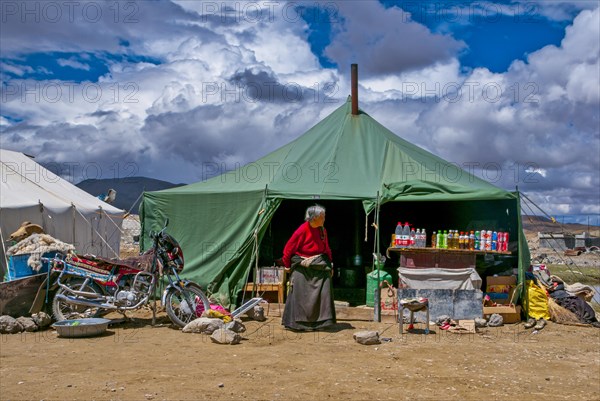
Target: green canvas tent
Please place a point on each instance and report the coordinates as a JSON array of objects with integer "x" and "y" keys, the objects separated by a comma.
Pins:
[{"x": 344, "y": 163}]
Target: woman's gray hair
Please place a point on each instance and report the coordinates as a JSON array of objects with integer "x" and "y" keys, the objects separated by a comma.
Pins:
[{"x": 313, "y": 212}]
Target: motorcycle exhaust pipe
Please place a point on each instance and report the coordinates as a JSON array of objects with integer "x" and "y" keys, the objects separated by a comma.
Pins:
[{"x": 83, "y": 302}]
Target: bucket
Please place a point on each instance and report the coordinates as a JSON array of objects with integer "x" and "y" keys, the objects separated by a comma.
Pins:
[{"x": 372, "y": 283}]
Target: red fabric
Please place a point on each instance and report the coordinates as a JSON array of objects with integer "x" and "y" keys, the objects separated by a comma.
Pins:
[{"x": 306, "y": 241}]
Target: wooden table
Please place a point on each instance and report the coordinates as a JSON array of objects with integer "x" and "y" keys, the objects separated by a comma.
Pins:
[
  {"x": 422, "y": 258},
  {"x": 262, "y": 288}
]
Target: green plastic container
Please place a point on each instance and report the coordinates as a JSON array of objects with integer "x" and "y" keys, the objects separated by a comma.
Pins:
[{"x": 372, "y": 283}]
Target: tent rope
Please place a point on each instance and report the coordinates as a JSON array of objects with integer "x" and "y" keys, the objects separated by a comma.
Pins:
[
  {"x": 543, "y": 212},
  {"x": 133, "y": 204},
  {"x": 115, "y": 224},
  {"x": 96, "y": 231},
  {"x": 572, "y": 266}
]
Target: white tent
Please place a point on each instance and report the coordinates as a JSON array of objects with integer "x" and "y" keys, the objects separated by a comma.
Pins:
[{"x": 29, "y": 192}]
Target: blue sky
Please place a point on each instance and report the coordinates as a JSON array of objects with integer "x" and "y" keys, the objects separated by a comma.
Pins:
[{"x": 510, "y": 86}]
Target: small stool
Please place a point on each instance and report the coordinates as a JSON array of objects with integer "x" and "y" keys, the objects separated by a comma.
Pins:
[{"x": 413, "y": 305}]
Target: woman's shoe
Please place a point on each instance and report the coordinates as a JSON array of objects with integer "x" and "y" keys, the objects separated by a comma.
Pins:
[
  {"x": 541, "y": 323},
  {"x": 530, "y": 323}
]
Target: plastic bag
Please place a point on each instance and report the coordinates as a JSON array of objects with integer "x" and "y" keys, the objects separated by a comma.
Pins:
[{"x": 537, "y": 301}]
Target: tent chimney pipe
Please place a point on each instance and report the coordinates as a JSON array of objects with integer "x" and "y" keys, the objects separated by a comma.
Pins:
[{"x": 354, "y": 88}]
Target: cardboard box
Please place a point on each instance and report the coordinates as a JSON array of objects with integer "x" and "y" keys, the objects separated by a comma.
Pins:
[
  {"x": 269, "y": 275},
  {"x": 502, "y": 297},
  {"x": 464, "y": 327},
  {"x": 501, "y": 288},
  {"x": 509, "y": 313},
  {"x": 501, "y": 280}
]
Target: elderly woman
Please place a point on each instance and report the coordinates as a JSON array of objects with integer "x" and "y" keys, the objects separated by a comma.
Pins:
[{"x": 309, "y": 305}]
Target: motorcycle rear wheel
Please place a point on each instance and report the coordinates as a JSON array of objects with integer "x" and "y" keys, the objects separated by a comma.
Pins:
[
  {"x": 179, "y": 311},
  {"x": 62, "y": 310}
]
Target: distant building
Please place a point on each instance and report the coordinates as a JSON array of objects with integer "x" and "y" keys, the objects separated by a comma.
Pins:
[{"x": 563, "y": 241}]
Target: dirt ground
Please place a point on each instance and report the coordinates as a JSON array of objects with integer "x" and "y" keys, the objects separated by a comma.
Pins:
[{"x": 136, "y": 361}]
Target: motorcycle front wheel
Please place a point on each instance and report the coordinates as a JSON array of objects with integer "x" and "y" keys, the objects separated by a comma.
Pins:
[
  {"x": 185, "y": 304},
  {"x": 66, "y": 311}
]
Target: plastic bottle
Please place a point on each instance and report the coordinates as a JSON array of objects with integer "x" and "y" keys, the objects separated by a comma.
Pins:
[
  {"x": 472, "y": 241},
  {"x": 438, "y": 239},
  {"x": 423, "y": 238},
  {"x": 406, "y": 235},
  {"x": 445, "y": 240},
  {"x": 434, "y": 240},
  {"x": 398, "y": 235},
  {"x": 413, "y": 235},
  {"x": 477, "y": 240},
  {"x": 449, "y": 239}
]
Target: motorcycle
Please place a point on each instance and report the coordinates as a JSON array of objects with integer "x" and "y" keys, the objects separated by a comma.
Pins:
[{"x": 89, "y": 286}]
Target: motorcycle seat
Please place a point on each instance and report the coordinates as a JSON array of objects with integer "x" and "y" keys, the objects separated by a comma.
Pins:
[
  {"x": 100, "y": 264},
  {"x": 90, "y": 262}
]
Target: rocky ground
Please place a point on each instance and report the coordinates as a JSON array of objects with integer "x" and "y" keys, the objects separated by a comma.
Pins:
[{"x": 131, "y": 229}]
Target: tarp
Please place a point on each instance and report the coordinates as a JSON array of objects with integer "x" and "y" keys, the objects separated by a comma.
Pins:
[
  {"x": 220, "y": 222},
  {"x": 30, "y": 192}
]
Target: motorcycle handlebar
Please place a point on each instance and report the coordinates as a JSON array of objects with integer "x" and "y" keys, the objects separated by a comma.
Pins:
[{"x": 156, "y": 235}]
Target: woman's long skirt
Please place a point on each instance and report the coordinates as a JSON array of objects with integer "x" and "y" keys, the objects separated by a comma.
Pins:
[{"x": 309, "y": 304}]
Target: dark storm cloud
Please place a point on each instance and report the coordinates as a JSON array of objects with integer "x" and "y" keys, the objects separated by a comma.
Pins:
[
  {"x": 113, "y": 27},
  {"x": 385, "y": 41}
]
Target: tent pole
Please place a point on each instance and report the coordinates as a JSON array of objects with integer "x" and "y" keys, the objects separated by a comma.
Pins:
[
  {"x": 377, "y": 295},
  {"x": 256, "y": 249},
  {"x": 73, "y": 214},
  {"x": 4, "y": 252}
]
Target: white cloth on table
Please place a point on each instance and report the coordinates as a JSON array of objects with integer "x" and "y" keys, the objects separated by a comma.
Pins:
[{"x": 440, "y": 279}]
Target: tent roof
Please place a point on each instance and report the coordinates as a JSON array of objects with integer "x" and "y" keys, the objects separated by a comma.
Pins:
[
  {"x": 25, "y": 183},
  {"x": 351, "y": 157}
]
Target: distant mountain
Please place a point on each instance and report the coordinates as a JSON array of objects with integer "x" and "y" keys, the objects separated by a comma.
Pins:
[
  {"x": 544, "y": 224},
  {"x": 128, "y": 189}
]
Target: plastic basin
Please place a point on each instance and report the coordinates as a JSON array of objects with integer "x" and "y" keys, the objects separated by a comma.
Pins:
[{"x": 81, "y": 327}]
